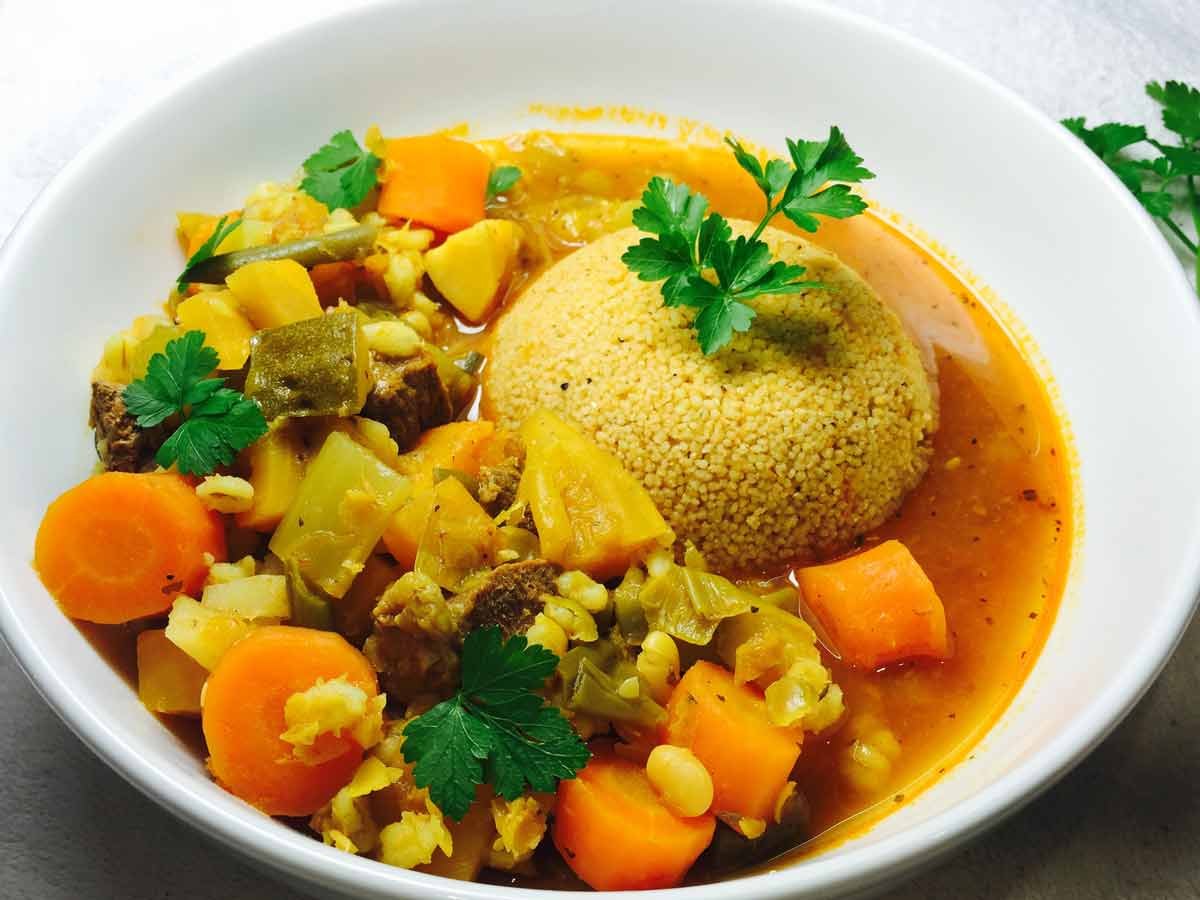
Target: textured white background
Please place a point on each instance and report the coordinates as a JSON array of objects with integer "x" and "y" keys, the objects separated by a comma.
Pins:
[{"x": 1126, "y": 824}]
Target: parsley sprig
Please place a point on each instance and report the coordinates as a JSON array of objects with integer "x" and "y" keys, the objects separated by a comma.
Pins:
[
  {"x": 341, "y": 173},
  {"x": 217, "y": 421},
  {"x": 500, "y": 180},
  {"x": 1162, "y": 181},
  {"x": 222, "y": 230},
  {"x": 496, "y": 729},
  {"x": 690, "y": 241}
]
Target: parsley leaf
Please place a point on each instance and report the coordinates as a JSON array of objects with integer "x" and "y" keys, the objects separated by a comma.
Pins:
[
  {"x": 341, "y": 173},
  {"x": 497, "y": 728},
  {"x": 1157, "y": 182},
  {"x": 221, "y": 231},
  {"x": 501, "y": 179},
  {"x": 691, "y": 241},
  {"x": 217, "y": 422}
]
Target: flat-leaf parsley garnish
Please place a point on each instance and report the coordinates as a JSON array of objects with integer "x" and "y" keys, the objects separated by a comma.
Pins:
[
  {"x": 497, "y": 729},
  {"x": 1157, "y": 182},
  {"x": 500, "y": 180},
  {"x": 690, "y": 241},
  {"x": 341, "y": 173},
  {"x": 221, "y": 230},
  {"x": 217, "y": 421}
]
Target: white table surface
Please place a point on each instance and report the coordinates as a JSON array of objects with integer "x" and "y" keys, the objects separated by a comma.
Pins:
[{"x": 1125, "y": 824}]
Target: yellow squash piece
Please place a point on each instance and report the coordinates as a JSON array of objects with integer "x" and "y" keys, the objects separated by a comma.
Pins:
[
  {"x": 225, "y": 329},
  {"x": 274, "y": 292},
  {"x": 591, "y": 514},
  {"x": 339, "y": 514},
  {"x": 169, "y": 681},
  {"x": 202, "y": 633},
  {"x": 472, "y": 265},
  {"x": 459, "y": 538},
  {"x": 276, "y": 470}
]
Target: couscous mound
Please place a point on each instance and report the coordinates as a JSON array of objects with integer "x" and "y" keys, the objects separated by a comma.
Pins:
[{"x": 804, "y": 433}]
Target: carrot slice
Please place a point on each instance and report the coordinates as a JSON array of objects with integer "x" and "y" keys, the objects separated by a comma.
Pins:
[
  {"x": 435, "y": 180},
  {"x": 617, "y": 835},
  {"x": 122, "y": 546},
  {"x": 726, "y": 725},
  {"x": 877, "y": 607},
  {"x": 243, "y": 718}
]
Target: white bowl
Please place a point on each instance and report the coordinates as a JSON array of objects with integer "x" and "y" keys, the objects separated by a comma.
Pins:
[{"x": 1030, "y": 210}]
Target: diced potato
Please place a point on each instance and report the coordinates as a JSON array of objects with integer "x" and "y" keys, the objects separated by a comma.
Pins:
[
  {"x": 155, "y": 342},
  {"x": 459, "y": 537},
  {"x": 317, "y": 367},
  {"x": 274, "y": 292},
  {"x": 169, "y": 681},
  {"x": 591, "y": 514},
  {"x": 276, "y": 470},
  {"x": 204, "y": 634},
  {"x": 225, "y": 329},
  {"x": 256, "y": 597},
  {"x": 472, "y": 265},
  {"x": 339, "y": 514}
]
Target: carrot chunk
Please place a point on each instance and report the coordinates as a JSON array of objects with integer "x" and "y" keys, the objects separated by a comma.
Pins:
[
  {"x": 726, "y": 725},
  {"x": 243, "y": 718},
  {"x": 122, "y": 546},
  {"x": 877, "y": 607},
  {"x": 435, "y": 180},
  {"x": 617, "y": 835}
]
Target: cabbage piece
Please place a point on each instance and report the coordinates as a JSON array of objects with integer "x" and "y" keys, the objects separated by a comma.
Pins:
[
  {"x": 591, "y": 678},
  {"x": 689, "y": 604}
]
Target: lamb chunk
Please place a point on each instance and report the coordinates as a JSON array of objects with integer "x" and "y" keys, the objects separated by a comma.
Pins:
[
  {"x": 498, "y": 485},
  {"x": 120, "y": 444},
  {"x": 418, "y": 632},
  {"x": 415, "y": 641},
  {"x": 408, "y": 397},
  {"x": 510, "y": 596}
]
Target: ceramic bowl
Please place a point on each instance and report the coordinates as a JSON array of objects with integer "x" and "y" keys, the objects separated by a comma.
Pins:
[{"x": 1080, "y": 266}]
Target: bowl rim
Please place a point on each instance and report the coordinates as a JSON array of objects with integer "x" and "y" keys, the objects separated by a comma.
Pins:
[{"x": 297, "y": 857}]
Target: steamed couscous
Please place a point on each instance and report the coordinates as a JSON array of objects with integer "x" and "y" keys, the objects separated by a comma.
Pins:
[
  {"x": 566, "y": 511},
  {"x": 808, "y": 431}
]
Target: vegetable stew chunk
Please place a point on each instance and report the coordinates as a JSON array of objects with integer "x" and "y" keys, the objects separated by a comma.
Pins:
[
  {"x": 408, "y": 397},
  {"x": 121, "y": 445}
]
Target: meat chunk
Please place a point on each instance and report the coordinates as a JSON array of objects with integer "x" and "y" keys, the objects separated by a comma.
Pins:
[
  {"x": 509, "y": 597},
  {"x": 408, "y": 397},
  {"x": 418, "y": 631},
  {"x": 120, "y": 444},
  {"x": 498, "y": 485}
]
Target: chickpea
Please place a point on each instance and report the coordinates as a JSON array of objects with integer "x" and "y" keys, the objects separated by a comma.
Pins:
[
  {"x": 658, "y": 664},
  {"x": 545, "y": 632},
  {"x": 680, "y": 779}
]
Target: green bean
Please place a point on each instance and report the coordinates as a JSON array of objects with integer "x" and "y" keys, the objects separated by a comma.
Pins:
[{"x": 335, "y": 247}]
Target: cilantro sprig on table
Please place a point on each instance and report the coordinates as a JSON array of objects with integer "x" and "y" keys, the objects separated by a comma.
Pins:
[
  {"x": 221, "y": 230},
  {"x": 341, "y": 173},
  {"x": 496, "y": 729},
  {"x": 691, "y": 242},
  {"x": 217, "y": 421},
  {"x": 1159, "y": 182}
]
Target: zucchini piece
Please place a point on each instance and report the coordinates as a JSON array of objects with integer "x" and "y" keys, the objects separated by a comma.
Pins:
[
  {"x": 315, "y": 367},
  {"x": 336, "y": 247},
  {"x": 344, "y": 503},
  {"x": 310, "y": 608}
]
